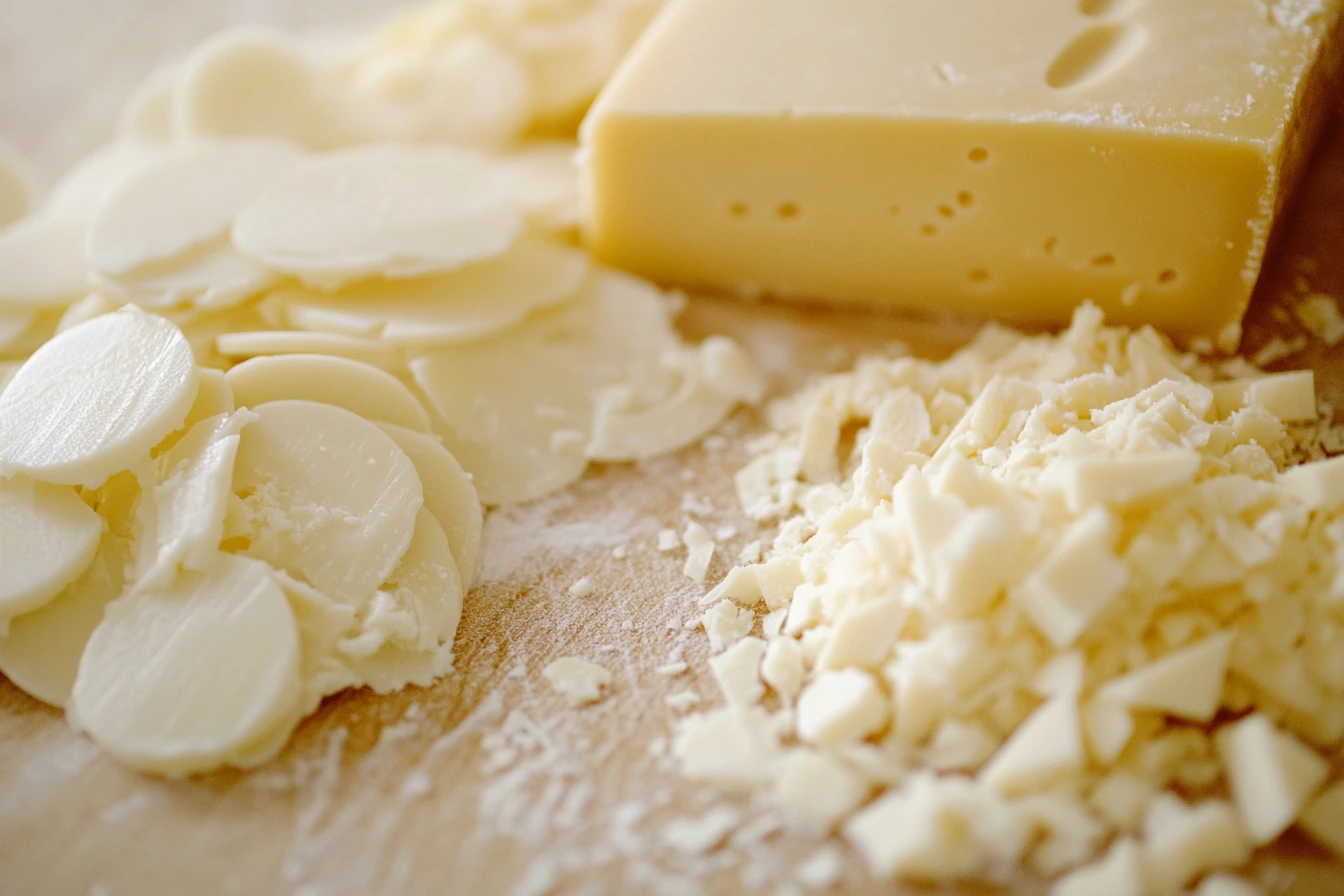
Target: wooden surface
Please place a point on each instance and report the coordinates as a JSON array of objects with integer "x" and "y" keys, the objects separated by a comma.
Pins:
[{"x": 485, "y": 783}]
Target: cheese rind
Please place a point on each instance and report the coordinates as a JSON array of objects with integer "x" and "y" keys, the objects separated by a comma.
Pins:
[{"x": 878, "y": 152}]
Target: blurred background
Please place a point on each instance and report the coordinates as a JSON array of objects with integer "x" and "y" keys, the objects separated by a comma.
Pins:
[{"x": 67, "y": 65}]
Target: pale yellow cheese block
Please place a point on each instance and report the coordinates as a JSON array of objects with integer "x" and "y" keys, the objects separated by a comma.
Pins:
[{"x": 982, "y": 156}]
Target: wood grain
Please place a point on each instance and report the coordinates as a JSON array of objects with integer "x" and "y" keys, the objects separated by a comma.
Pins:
[{"x": 485, "y": 783}]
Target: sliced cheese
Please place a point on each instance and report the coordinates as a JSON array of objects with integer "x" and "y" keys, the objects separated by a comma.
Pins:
[
  {"x": 399, "y": 211},
  {"x": 213, "y": 275},
  {"x": 544, "y": 177},
  {"x": 42, "y": 649},
  {"x": 42, "y": 263},
  {"x": 477, "y": 300},
  {"x": 449, "y": 495},
  {"x": 48, "y": 536},
  {"x": 358, "y": 387},
  {"x": 180, "y": 515},
  {"x": 177, "y": 680},
  {"x": 182, "y": 200},
  {"x": 259, "y": 343},
  {"x": 331, "y": 499},
  {"x": 96, "y": 398}
]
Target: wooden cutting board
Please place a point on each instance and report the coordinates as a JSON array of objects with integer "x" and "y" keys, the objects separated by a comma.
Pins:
[{"x": 486, "y": 784}]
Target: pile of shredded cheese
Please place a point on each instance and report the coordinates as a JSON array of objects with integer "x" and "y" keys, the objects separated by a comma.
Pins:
[{"x": 1062, "y": 602}]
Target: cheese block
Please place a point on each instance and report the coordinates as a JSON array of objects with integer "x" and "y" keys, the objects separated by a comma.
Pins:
[{"x": 1004, "y": 159}]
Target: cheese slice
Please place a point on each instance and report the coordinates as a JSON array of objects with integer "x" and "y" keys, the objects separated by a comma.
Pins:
[
  {"x": 48, "y": 536},
  {"x": 882, "y": 152}
]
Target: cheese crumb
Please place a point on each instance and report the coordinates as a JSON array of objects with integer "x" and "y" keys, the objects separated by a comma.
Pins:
[
  {"x": 582, "y": 588},
  {"x": 700, "y": 550},
  {"x": 579, "y": 681}
]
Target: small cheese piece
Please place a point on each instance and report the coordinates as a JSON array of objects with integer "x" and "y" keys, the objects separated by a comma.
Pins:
[
  {"x": 400, "y": 211},
  {"x": 48, "y": 536},
  {"x": 726, "y": 623},
  {"x": 42, "y": 263},
  {"x": 841, "y": 706},
  {"x": 1273, "y": 775},
  {"x": 1319, "y": 484},
  {"x": 699, "y": 551},
  {"x": 1048, "y": 746},
  {"x": 186, "y": 198},
  {"x": 1119, "y": 873},
  {"x": 41, "y": 652},
  {"x": 18, "y": 184},
  {"x": 783, "y": 667},
  {"x": 96, "y": 398},
  {"x": 1108, "y": 727},
  {"x": 1120, "y": 481},
  {"x": 1289, "y": 396},
  {"x": 358, "y": 387},
  {"x": 182, "y": 505},
  {"x": 1076, "y": 581},
  {"x": 735, "y": 747},
  {"x": 578, "y": 680},
  {"x": 1323, "y": 819},
  {"x": 181, "y": 680},
  {"x": 476, "y": 300},
  {"x": 1187, "y": 683},
  {"x": 737, "y": 671},
  {"x": 1181, "y": 842},
  {"x": 863, "y": 635},
  {"x": 449, "y": 495},
  {"x": 971, "y": 181},
  {"x": 331, "y": 498},
  {"x": 815, "y": 790}
]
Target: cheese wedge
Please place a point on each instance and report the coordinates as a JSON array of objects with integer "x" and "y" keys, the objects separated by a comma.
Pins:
[{"x": 1007, "y": 159}]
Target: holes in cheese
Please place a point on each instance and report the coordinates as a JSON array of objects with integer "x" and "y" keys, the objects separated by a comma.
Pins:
[
  {"x": 362, "y": 388},
  {"x": 181, "y": 679},
  {"x": 449, "y": 495},
  {"x": 474, "y": 301},
  {"x": 41, "y": 652},
  {"x": 398, "y": 211},
  {"x": 48, "y": 536},
  {"x": 1096, "y": 54},
  {"x": 186, "y": 198},
  {"x": 329, "y": 497},
  {"x": 96, "y": 398},
  {"x": 41, "y": 263}
]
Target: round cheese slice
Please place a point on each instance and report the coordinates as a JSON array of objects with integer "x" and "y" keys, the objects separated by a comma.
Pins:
[
  {"x": 256, "y": 343},
  {"x": 449, "y": 495},
  {"x": 330, "y": 497},
  {"x": 96, "y": 398},
  {"x": 250, "y": 82},
  {"x": 48, "y": 536},
  {"x": 214, "y": 276},
  {"x": 545, "y": 181},
  {"x": 395, "y": 210},
  {"x": 42, "y": 264},
  {"x": 517, "y": 409},
  {"x": 147, "y": 116},
  {"x": 42, "y": 650},
  {"x": 187, "y": 198},
  {"x": 460, "y": 306},
  {"x": 407, "y": 630},
  {"x": 177, "y": 680},
  {"x": 355, "y": 386}
]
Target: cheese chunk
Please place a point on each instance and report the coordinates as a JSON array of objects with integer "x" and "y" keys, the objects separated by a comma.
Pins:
[
  {"x": 880, "y": 152},
  {"x": 1272, "y": 774}
]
